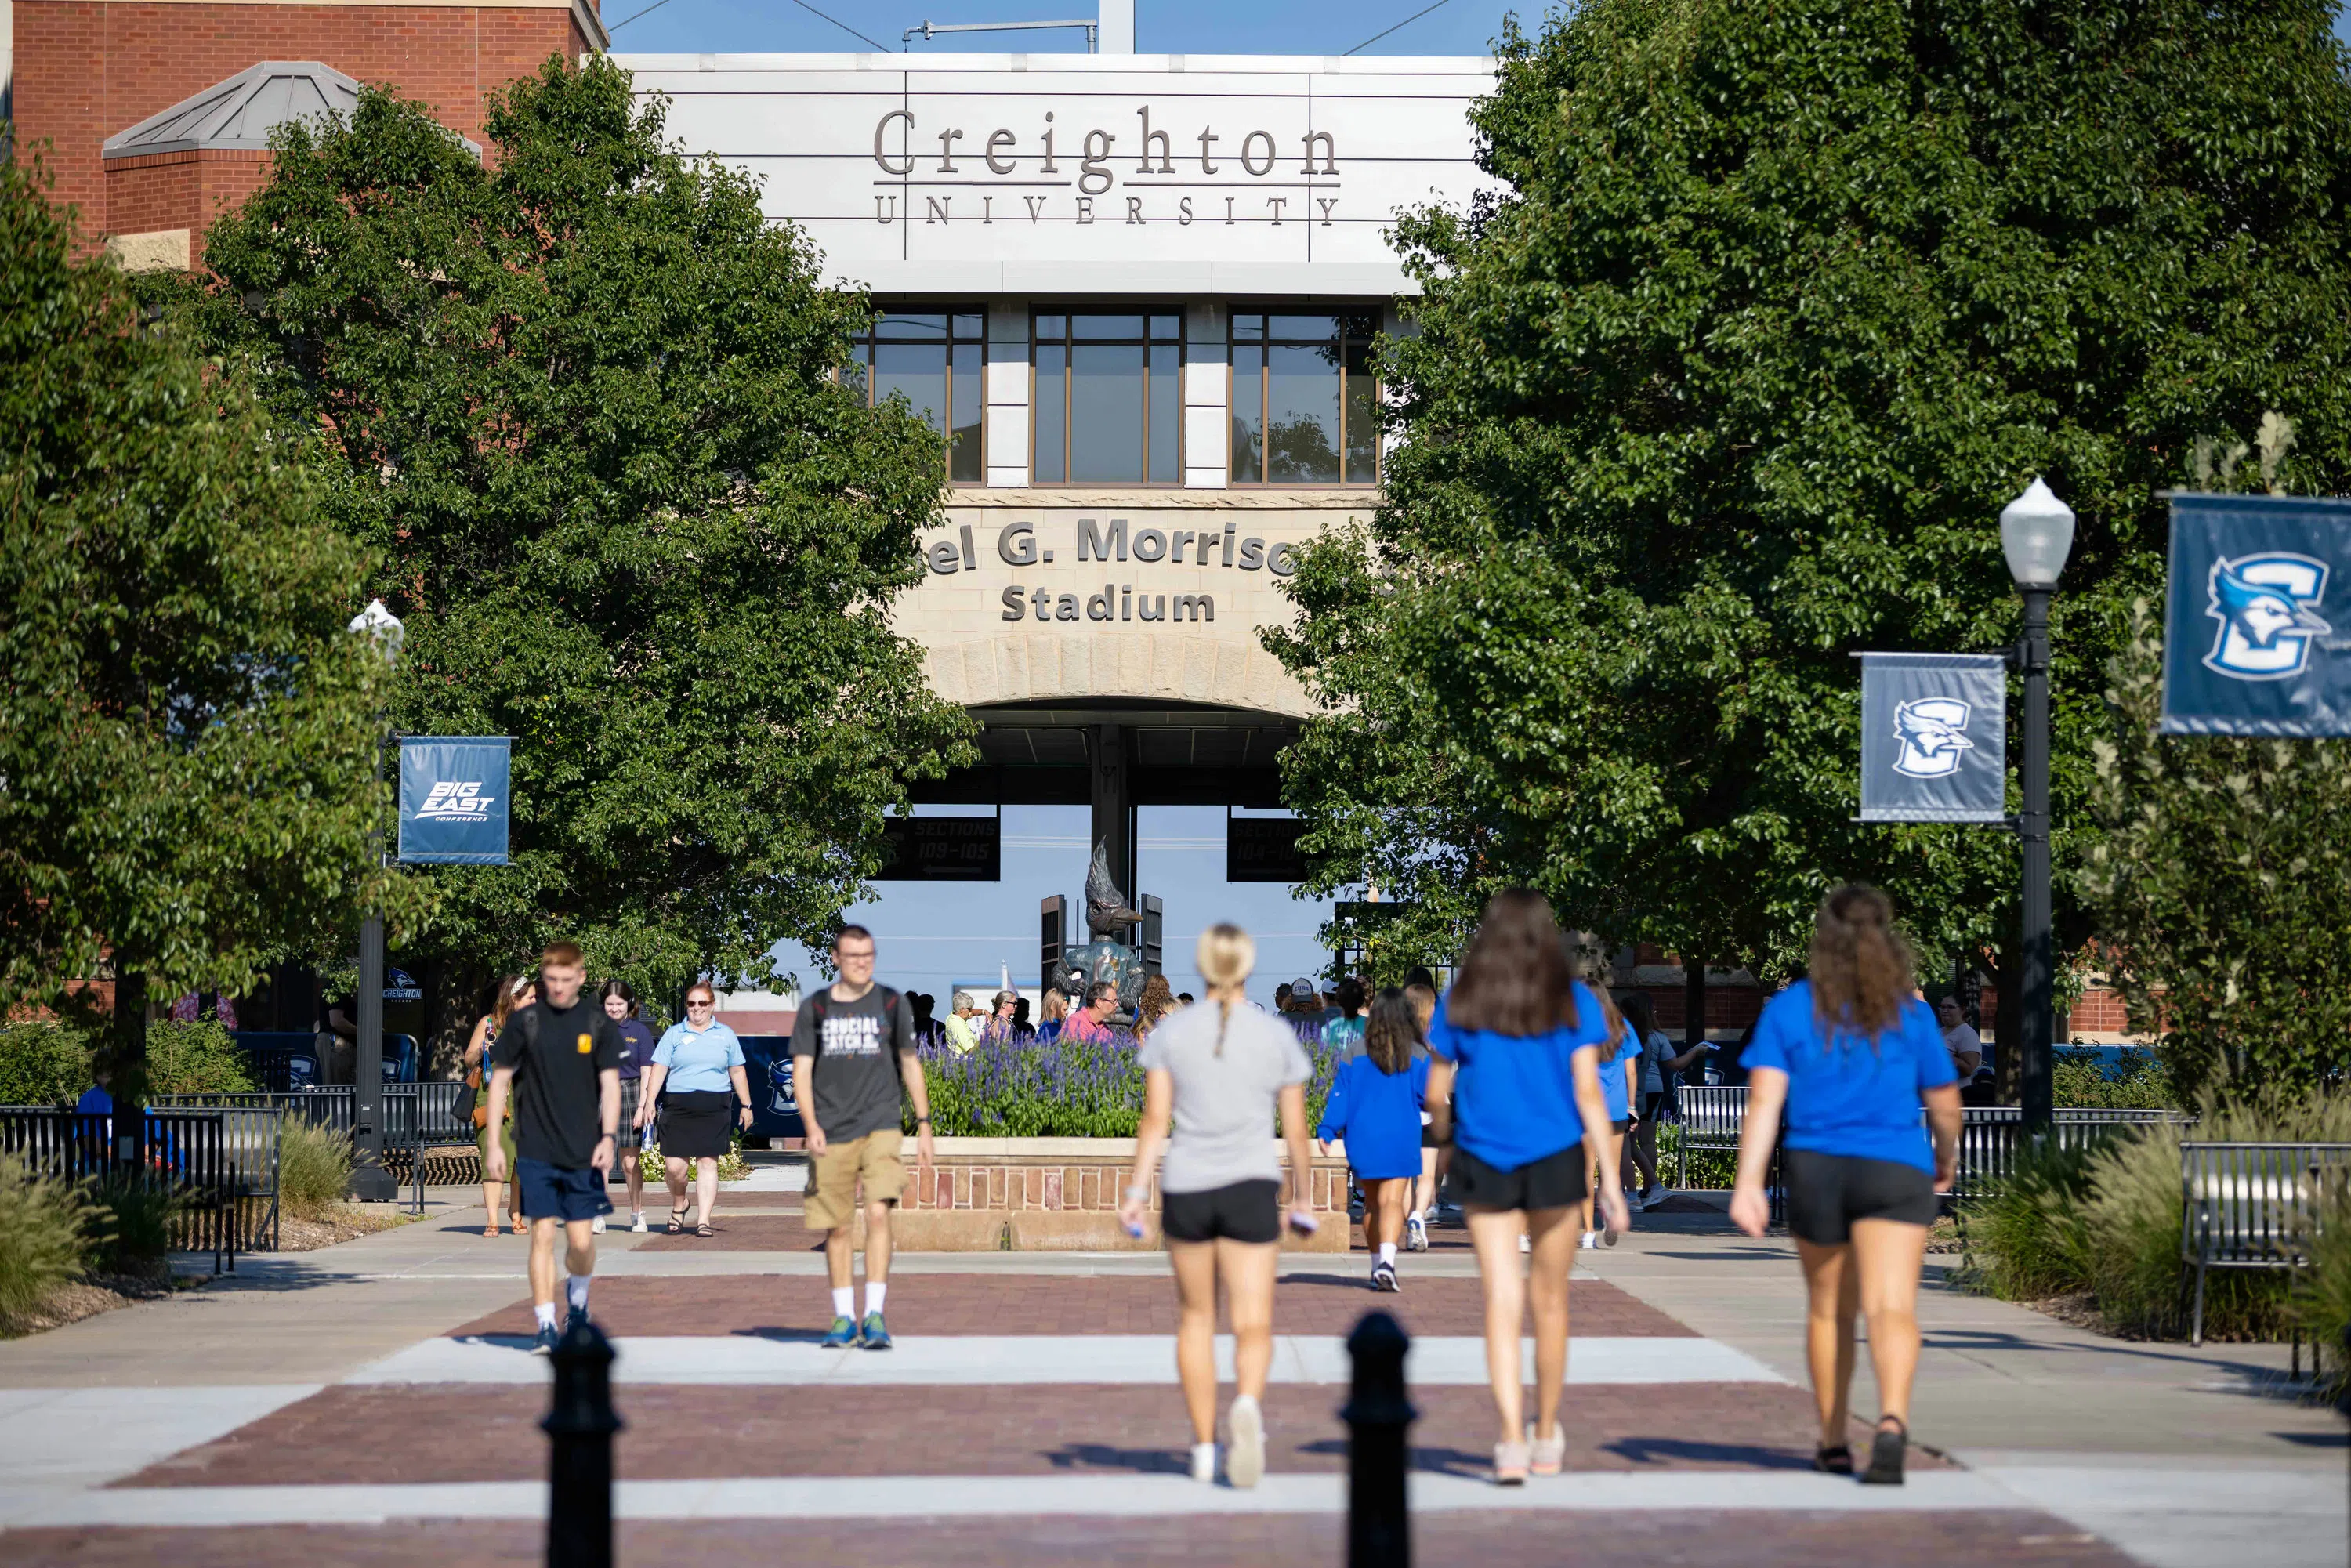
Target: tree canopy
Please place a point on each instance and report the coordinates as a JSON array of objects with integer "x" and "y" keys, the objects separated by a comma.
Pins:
[
  {"x": 579, "y": 400},
  {"x": 187, "y": 732},
  {"x": 1771, "y": 309}
]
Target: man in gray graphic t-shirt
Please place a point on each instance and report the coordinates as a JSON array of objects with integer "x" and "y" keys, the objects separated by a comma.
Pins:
[{"x": 852, "y": 1053}]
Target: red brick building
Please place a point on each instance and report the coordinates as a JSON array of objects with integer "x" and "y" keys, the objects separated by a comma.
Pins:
[{"x": 79, "y": 74}]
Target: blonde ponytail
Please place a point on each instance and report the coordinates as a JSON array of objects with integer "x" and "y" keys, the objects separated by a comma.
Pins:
[{"x": 1225, "y": 958}]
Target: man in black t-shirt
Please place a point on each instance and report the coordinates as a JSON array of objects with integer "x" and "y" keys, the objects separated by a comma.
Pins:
[{"x": 560, "y": 1058}]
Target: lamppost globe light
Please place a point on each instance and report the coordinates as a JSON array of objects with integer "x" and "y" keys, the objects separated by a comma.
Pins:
[
  {"x": 2036, "y": 533},
  {"x": 382, "y": 625}
]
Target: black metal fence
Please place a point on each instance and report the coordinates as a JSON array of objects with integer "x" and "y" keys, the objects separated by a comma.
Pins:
[
  {"x": 417, "y": 1118},
  {"x": 189, "y": 1158}
]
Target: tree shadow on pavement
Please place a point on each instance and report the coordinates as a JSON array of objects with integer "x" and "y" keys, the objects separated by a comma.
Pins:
[
  {"x": 1104, "y": 1456},
  {"x": 1683, "y": 1451}
]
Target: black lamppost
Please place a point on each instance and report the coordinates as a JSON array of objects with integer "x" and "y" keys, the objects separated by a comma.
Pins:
[
  {"x": 369, "y": 1181},
  {"x": 2036, "y": 532}
]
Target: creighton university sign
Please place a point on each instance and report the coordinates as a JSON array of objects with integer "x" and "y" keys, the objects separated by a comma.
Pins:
[{"x": 2250, "y": 644}]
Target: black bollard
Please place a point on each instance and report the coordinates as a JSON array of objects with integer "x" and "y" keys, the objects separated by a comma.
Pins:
[
  {"x": 1379, "y": 1525},
  {"x": 579, "y": 1427}
]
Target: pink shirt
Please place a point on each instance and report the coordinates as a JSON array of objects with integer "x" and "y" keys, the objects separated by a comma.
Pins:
[{"x": 1082, "y": 1025}]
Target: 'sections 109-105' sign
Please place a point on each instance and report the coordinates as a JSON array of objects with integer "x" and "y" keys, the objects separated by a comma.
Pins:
[{"x": 1017, "y": 544}]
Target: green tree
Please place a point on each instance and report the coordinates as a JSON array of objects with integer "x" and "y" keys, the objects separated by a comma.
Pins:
[
  {"x": 581, "y": 399},
  {"x": 1773, "y": 308},
  {"x": 186, "y": 739},
  {"x": 2224, "y": 890}
]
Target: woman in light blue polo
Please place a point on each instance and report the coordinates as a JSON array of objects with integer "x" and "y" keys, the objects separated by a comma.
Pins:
[
  {"x": 697, "y": 1077},
  {"x": 1853, "y": 1052}
]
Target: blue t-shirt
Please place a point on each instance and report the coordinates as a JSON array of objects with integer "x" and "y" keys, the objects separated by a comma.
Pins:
[
  {"x": 697, "y": 1063},
  {"x": 1611, "y": 1073},
  {"x": 1853, "y": 1095},
  {"x": 1514, "y": 1096},
  {"x": 1378, "y": 1113}
]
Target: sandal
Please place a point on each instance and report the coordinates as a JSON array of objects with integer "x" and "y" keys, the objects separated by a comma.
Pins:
[
  {"x": 521, "y": 1226},
  {"x": 1510, "y": 1464},
  {"x": 1834, "y": 1458},
  {"x": 704, "y": 1230},
  {"x": 491, "y": 1229},
  {"x": 677, "y": 1220},
  {"x": 1885, "y": 1452}
]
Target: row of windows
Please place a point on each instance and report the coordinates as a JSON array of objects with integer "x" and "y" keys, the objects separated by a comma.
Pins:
[{"x": 1107, "y": 393}]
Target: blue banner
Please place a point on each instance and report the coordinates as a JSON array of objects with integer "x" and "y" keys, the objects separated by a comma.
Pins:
[
  {"x": 2250, "y": 638},
  {"x": 1934, "y": 737},
  {"x": 453, "y": 799},
  {"x": 775, "y": 1107}
]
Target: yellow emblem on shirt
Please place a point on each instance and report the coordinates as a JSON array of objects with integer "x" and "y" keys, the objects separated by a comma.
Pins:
[{"x": 586, "y": 1044}]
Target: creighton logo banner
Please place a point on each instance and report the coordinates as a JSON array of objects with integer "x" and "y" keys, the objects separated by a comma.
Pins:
[
  {"x": 2248, "y": 639},
  {"x": 1934, "y": 737},
  {"x": 453, "y": 799}
]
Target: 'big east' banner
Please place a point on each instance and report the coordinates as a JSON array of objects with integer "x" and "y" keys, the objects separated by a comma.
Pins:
[{"x": 453, "y": 799}]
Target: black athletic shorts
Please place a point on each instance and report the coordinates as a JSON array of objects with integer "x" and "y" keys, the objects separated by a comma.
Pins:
[
  {"x": 1554, "y": 1181},
  {"x": 1245, "y": 1211},
  {"x": 1622, "y": 1126},
  {"x": 1826, "y": 1193}
]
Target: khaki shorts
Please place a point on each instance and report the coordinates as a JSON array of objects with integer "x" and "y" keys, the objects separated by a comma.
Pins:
[{"x": 873, "y": 1159}]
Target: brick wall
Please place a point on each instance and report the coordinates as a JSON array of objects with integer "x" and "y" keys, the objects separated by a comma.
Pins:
[{"x": 88, "y": 69}]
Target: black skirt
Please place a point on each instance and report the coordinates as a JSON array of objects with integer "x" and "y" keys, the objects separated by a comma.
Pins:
[{"x": 696, "y": 1125}]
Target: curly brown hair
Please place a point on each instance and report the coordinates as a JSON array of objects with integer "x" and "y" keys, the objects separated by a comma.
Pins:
[
  {"x": 1158, "y": 999},
  {"x": 1861, "y": 969},
  {"x": 1515, "y": 979}
]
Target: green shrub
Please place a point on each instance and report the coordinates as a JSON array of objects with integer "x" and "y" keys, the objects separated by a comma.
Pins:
[
  {"x": 2137, "y": 1081},
  {"x": 2319, "y": 1301},
  {"x": 42, "y": 1061},
  {"x": 47, "y": 1230},
  {"x": 135, "y": 1235},
  {"x": 2031, "y": 1233},
  {"x": 199, "y": 1058},
  {"x": 1707, "y": 1167},
  {"x": 314, "y": 1169}
]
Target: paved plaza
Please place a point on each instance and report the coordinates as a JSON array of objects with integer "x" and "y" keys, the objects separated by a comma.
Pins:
[{"x": 376, "y": 1403}]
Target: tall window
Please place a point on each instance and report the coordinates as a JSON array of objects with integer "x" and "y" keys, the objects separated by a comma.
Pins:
[
  {"x": 934, "y": 356},
  {"x": 1110, "y": 398},
  {"x": 1305, "y": 408}
]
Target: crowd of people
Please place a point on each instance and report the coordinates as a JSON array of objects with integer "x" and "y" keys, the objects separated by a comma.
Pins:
[{"x": 1528, "y": 1080}]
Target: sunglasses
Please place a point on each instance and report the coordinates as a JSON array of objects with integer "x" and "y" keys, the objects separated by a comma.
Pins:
[{"x": 703, "y": 1002}]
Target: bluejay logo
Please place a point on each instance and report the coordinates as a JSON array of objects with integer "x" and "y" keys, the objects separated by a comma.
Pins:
[
  {"x": 2265, "y": 604},
  {"x": 1934, "y": 736}
]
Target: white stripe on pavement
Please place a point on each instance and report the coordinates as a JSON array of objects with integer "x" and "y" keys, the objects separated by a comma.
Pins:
[
  {"x": 896, "y": 1499},
  {"x": 990, "y": 1361},
  {"x": 90, "y": 1435}
]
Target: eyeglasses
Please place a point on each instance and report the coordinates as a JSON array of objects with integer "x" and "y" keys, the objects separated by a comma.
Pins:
[{"x": 702, "y": 1003}]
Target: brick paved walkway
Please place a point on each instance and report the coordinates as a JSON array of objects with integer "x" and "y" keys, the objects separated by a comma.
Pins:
[{"x": 743, "y": 1439}]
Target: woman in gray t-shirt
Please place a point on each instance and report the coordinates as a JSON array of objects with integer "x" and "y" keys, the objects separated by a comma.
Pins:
[{"x": 1219, "y": 1070}]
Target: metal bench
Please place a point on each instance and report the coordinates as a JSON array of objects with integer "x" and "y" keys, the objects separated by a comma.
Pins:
[
  {"x": 2254, "y": 1206},
  {"x": 1709, "y": 1116}
]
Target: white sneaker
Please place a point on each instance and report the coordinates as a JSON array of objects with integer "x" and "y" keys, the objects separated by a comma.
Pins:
[
  {"x": 637, "y": 1221},
  {"x": 598, "y": 1228},
  {"x": 1204, "y": 1462},
  {"x": 1415, "y": 1234},
  {"x": 1591, "y": 1242},
  {"x": 1245, "y": 1460},
  {"x": 1526, "y": 1243}
]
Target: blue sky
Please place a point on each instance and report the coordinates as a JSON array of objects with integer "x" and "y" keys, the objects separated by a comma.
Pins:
[{"x": 1198, "y": 26}]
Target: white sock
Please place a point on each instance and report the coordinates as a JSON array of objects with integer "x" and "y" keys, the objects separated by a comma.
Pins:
[
  {"x": 575, "y": 1290},
  {"x": 1388, "y": 1253},
  {"x": 844, "y": 1301},
  {"x": 876, "y": 1291},
  {"x": 546, "y": 1311}
]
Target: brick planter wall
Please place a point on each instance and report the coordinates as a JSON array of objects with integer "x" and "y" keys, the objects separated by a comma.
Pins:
[{"x": 1030, "y": 1195}]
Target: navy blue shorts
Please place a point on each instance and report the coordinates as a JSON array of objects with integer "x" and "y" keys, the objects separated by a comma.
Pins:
[{"x": 558, "y": 1192}]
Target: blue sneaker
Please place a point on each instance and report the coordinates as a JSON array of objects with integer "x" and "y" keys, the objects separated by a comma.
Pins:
[
  {"x": 877, "y": 1332},
  {"x": 547, "y": 1341},
  {"x": 575, "y": 1316},
  {"x": 843, "y": 1335}
]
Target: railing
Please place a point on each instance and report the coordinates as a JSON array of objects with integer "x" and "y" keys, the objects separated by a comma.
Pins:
[
  {"x": 416, "y": 1117},
  {"x": 188, "y": 1153},
  {"x": 1713, "y": 1115},
  {"x": 2254, "y": 1206}
]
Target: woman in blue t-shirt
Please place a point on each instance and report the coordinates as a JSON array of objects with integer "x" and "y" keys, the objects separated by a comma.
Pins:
[
  {"x": 1517, "y": 1078},
  {"x": 1852, "y": 1053},
  {"x": 1375, "y": 1105},
  {"x": 1620, "y": 1071}
]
